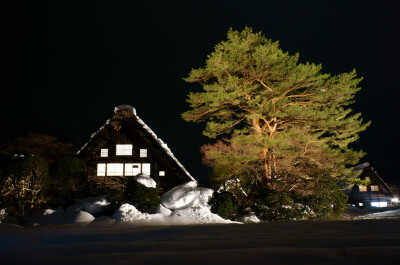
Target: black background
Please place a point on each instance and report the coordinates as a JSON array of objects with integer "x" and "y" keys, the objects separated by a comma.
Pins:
[{"x": 66, "y": 64}]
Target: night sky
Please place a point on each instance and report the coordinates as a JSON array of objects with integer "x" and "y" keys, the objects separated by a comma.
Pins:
[{"x": 66, "y": 64}]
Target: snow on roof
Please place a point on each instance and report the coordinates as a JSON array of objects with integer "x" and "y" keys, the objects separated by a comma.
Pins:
[
  {"x": 361, "y": 167},
  {"x": 150, "y": 131},
  {"x": 125, "y": 107},
  {"x": 164, "y": 146}
]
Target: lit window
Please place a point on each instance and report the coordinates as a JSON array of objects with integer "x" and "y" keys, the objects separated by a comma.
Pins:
[
  {"x": 360, "y": 204},
  {"x": 367, "y": 178},
  {"x": 161, "y": 173},
  {"x": 374, "y": 188},
  {"x": 124, "y": 150},
  {"x": 363, "y": 188},
  {"x": 132, "y": 169},
  {"x": 115, "y": 169},
  {"x": 143, "y": 152},
  {"x": 146, "y": 168},
  {"x": 101, "y": 169},
  {"x": 379, "y": 204},
  {"x": 104, "y": 153}
]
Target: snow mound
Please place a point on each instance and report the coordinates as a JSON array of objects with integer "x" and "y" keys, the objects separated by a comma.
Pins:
[
  {"x": 82, "y": 217},
  {"x": 382, "y": 215},
  {"x": 162, "y": 210},
  {"x": 91, "y": 205},
  {"x": 94, "y": 205},
  {"x": 248, "y": 219},
  {"x": 145, "y": 180},
  {"x": 127, "y": 212},
  {"x": 185, "y": 196},
  {"x": 199, "y": 214}
]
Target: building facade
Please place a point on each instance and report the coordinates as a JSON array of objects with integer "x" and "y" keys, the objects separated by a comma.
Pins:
[{"x": 125, "y": 146}]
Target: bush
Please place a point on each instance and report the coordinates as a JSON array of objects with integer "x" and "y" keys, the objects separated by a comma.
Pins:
[
  {"x": 327, "y": 200},
  {"x": 224, "y": 204},
  {"x": 69, "y": 174},
  {"x": 143, "y": 198},
  {"x": 116, "y": 199},
  {"x": 271, "y": 205},
  {"x": 23, "y": 184}
]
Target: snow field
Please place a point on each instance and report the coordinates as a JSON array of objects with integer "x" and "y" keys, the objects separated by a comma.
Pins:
[{"x": 184, "y": 204}]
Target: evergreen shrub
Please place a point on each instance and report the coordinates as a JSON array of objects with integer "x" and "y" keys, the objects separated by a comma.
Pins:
[
  {"x": 224, "y": 204},
  {"x": 143, "y": 198}
]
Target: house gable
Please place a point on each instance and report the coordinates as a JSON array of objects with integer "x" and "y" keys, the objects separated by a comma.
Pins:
[
  {"x": 140, "y": 150},
  {"x": 376, "y": 193}
]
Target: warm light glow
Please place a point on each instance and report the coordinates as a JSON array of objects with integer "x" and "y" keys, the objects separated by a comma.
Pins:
[
  {"x": 101, "y": 169},
  {"x": 363, "y": 188},
  {"x": 132, "y": 169},
  {"x": 374, "y": 188},
  {"x": 104, "y": 153},
  {"x": 143, "y": 152},
  {"x": 124, "y": 150},
  {"x": 379, "y": 204},
  {"x": 395, "y": 200},
  {"x": 361, "y": 204},
  {"x": 115, "y": 169},
  {"x": 146, "y": 168},
  {"x": 161, "y": 173}
]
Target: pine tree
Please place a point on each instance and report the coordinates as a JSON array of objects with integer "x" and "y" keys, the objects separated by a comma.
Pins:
[{"x": 276, "y": 121}]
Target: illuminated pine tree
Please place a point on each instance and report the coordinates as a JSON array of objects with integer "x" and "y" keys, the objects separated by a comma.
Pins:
[{"x": 276, "y": 121}]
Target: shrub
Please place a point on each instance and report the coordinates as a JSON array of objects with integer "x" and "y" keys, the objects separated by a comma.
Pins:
[
  {"x": 143, "y": 198},
  {"x": 271, "y": 205},
  {"x": 327, "y": 200},
  {"x": 23, "y": 184},
  {"x": 115, "y": 199},
  {"x": 224, "y": 204}
]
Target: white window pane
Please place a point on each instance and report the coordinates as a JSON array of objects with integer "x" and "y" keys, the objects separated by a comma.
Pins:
[
  {"x": 101, "y": 169},
  {"x": 146, "y": 168},
  {"x": 363, "y": 188},
  {"x": 104, "y": 153},
  {"x": 124, "y": 150},
  {"x": 132, "y": 169},
  {"x": 161, "y": 173},
  {"x": 143, "y": 152},
  {"x": 374, "y": 188},
  {"x": 115, "y": 169}
]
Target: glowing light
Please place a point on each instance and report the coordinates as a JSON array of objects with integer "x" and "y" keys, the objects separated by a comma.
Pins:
[
  {"x": 395, "y": 200},
  {"x": 379, "y": 204}
]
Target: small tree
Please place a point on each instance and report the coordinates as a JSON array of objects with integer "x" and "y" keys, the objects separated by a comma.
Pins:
[{"x": 23, "y": 184}]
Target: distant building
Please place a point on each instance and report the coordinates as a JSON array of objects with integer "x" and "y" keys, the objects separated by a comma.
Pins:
[
  {"x": 377, "y": 193},
  {"x": 125, "y": 146}
]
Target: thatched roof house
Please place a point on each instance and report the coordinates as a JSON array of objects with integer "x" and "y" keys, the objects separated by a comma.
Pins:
[
  {"x": 377, "y": 193},
  {"x": 125, "y": 146}
]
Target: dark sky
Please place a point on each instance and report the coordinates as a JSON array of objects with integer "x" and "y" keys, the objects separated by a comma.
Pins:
[{"x": 66, "y": 64}]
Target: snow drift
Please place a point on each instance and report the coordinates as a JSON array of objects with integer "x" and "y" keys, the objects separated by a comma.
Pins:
[{"x": 184, "y": 204}]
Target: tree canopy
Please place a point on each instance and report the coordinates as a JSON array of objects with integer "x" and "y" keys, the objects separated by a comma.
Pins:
[{"x": 276, "y": 121}]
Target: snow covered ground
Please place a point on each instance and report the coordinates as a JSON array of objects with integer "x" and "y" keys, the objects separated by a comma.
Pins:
[
  {"x": 183, "y": 205},
  {"x": 111, "y": 242},
  {"x": 390, "y": 214}
]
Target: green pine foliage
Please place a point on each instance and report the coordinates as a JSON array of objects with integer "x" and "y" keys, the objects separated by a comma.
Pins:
[
  {"x": 276, "y": 121},
  {"x": 143, "y": 198},
  {"x": 224, "y": 204},
  {"x": 68, "y": 176}
]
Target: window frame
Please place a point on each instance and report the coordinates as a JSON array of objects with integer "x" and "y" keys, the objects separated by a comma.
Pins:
[
  {"x": 123, "y": 149},
  {"x": 143, "y": 152},
  {"x": 113, "y": 171},
  {"x": 104, "y": 152},
  {"x": 101, "y": 173}
]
